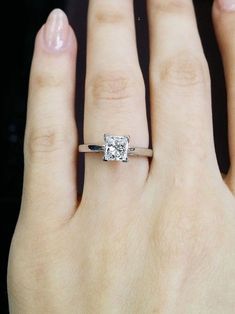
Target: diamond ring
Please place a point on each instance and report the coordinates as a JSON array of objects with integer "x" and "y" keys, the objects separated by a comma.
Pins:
[{"x": 116, "y": 148}]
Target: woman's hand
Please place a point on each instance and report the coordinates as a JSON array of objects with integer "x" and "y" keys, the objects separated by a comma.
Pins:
[{"x": 145, "y": 238}]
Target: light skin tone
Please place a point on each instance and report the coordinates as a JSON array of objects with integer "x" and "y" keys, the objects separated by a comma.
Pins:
[{"x": 147, "y": 236}]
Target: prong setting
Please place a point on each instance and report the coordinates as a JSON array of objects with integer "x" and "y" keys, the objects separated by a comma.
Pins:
[{"x": 116, "y": 148}]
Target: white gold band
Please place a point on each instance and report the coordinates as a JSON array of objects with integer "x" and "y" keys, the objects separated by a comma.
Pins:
[
  {"x": 116, "y": 148},
  {"x": 132, "y": 151}
]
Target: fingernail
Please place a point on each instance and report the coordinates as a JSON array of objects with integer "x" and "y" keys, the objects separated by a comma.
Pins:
[
  {"x": 228, "y": 5},
  {"x": 56, "y": 30}
]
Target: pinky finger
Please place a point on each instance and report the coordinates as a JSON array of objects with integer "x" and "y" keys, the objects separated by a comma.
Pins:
[{"x": 51, "y": 134}]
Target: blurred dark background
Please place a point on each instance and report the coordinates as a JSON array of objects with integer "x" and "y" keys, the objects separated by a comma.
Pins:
[{"x": 24, "y": 20}]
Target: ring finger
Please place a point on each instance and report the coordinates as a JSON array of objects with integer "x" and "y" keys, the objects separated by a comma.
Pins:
[{"x": 114, "y": 97}]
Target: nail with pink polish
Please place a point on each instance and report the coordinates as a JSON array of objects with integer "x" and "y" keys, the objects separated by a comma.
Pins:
[
  {"x": 56, "y": 30},
  {"x": 228, "y": 5}
]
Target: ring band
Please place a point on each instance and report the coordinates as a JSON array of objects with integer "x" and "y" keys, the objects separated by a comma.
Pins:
[{"x": 116, "y": 148}]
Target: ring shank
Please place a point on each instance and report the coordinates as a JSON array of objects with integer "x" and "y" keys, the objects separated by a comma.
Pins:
[
  {"x": 90, "y": 148},
  {"x": 141, "y": 152},
  {"x": 132, "y": 151}
]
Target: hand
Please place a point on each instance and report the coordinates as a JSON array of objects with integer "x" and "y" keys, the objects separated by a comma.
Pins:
[{"x": 146, "y": 237}]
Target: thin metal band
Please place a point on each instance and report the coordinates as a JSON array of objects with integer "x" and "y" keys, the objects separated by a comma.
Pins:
[{"x": 132, "y": 151}]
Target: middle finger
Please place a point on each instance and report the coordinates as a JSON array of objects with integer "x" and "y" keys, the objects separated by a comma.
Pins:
[{"x": 180, "y": 88}]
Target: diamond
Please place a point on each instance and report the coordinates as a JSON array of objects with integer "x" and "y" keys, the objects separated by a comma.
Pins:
[{"x": 116, "y": 148}]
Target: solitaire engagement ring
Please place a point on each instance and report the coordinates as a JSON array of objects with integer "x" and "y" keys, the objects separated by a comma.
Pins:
[{"x": 116, "y": 148}]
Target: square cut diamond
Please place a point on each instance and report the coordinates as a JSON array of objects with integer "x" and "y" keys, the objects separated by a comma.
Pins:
[{"x": 116, "y": 148}]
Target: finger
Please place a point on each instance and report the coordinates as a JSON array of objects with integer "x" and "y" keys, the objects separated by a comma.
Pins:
[
  {"x": 224, "y": 21},
  {"x": 115, "y": 95},
  {"x": 180, "y": 87},
  {"x": 51, "y": 140}
]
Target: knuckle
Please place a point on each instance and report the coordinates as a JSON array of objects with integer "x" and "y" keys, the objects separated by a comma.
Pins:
[
  {"x": 112, "y": 86},
  {"x": 47, "y": 140},
  {"x": 46, "y": 79},
  {"x": 171, "y": 6},
  {"x": 192, "y": 236},
  {"x": 184, "y": 70},
  {"x": 109, "y": 16}
]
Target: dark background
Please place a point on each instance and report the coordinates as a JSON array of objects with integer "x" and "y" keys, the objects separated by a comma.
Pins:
[{"x": 25, "y": 19}]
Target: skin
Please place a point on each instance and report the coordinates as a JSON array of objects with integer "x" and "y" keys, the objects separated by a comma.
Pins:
[{"x": 146, "y": 237}]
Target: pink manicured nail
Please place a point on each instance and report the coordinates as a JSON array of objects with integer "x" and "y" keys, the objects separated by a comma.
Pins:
[
  {"x": 56, "y": 30},
  {"x": 228, "y": 5}
]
